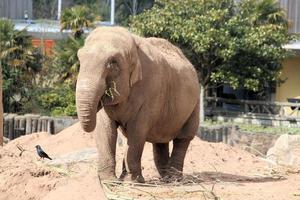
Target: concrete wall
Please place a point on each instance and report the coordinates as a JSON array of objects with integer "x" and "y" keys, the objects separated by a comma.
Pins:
[{"x": 256, "y": 143}]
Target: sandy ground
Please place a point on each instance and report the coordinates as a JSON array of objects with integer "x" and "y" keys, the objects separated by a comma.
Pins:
[{"x": 212, "y": 171}]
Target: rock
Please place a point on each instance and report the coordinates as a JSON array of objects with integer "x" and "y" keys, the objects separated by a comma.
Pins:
[
  {"x": 255, "y": 143},
  {"x": 286, "y": 150},
  {"x": 74, "y": 157},
  {"x": 5, "y": 140}
]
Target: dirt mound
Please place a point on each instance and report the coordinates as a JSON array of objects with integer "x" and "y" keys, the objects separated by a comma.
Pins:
[
  {"x": 225, "y": 168},
  {"x": 27, "y": 177}
]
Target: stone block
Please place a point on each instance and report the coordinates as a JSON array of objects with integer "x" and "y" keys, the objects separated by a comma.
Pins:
[{"x": 286, "y": 150}]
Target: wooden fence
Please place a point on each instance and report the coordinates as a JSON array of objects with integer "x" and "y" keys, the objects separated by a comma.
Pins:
[
  {"x": 18, "y": 125},
  {"x": 278, "y": 109}
]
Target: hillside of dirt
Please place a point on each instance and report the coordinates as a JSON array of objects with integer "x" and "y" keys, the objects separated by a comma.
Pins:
[{"x": 211, "y": 171}]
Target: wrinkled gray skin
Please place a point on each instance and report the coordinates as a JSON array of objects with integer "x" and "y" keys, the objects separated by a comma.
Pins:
[{"x": 156, "y": 99}]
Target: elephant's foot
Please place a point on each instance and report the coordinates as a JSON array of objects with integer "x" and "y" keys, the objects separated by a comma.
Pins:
[
  {"x": 107, "y": 173},
  {"x": 163, "y": 171},
  {"x": 172, "y": 175},
  {"x": 108, "y": 177},
  {"x": 125, "y": 176},
  {"x": 138, "y": 178}
]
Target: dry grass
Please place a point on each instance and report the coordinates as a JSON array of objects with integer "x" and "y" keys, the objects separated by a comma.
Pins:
[{"x": 188, "y": 187}]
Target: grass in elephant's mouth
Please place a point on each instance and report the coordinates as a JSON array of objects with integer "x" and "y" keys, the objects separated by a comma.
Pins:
[{"x": 111, "y": 90}]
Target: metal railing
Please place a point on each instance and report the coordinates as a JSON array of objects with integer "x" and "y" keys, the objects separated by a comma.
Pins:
[{"x": 279, "y": 109}]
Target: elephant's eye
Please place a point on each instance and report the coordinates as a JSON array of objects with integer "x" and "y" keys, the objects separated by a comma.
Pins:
[
  {"x": 113, "y": 68},
  {"x": 112, "y": 64}
]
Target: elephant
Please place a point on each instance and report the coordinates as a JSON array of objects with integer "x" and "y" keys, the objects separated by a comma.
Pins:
[{"x": 144, "y": 86}]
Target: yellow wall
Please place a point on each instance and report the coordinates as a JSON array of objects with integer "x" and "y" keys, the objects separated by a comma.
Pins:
[{"x": 291, "y": 87}]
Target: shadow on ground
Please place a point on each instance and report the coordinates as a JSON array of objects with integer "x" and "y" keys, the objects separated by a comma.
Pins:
[{"x": 209, "y": 176}]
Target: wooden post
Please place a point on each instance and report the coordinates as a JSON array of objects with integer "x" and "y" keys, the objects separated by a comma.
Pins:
[
  {"x": 6, "y": 126},
  {"x": 39, "y": 125},
  {"x": 50, "y": 126},
  {"x": 28, "y": 124},
  {"x": 22, "y": 125},
  {"x": 35, "y": 121},
  {"x": 10, "y": 119},
  {"x": 16, "y": 127}
]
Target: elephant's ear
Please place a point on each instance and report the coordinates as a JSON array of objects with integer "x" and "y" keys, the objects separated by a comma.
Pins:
[{"x": 136, "y": 74}]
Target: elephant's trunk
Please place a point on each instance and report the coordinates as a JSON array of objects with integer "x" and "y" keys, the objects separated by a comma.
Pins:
[{"x": 88, "y": 95}]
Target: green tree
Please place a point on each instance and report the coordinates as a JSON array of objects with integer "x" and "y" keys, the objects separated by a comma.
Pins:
[
  {"x": 59, "y": 95},
  {"x": 126, "y": 8},
  {"x": 229, "y": 42},
  {"x": 59, "y": 100},
  {"x": 65, "y": 62},
  {"x": 77, "y": 19},
  {"x": 20, "y": 63}
]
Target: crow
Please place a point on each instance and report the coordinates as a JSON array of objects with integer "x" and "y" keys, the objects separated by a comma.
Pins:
[{"x": 41, "y": 153}]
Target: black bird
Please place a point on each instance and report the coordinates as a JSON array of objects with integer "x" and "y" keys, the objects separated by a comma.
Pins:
[{"x": 41, "y": 153}]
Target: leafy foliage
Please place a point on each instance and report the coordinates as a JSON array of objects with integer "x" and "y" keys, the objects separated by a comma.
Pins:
[
  {"x": 59, "y": 100},
  {"x": 234, "y": 42},
  {"x": 20, "y": 63},
  {"x": 77, "y": 18},
  {"x": 65, "y": 63}
]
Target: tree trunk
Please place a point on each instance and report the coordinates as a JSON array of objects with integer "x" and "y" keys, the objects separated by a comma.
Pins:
[
  {"x": 1, "y": 108},
  {"x": 134, "y": 7},
  {"x": 202, "y": 92}
]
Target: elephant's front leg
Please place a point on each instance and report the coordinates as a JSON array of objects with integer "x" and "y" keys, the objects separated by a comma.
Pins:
[
  {"x": 136, "y": 138},
  {"x": 132, "y": 160},
  {"x": 106, "y": 138}
]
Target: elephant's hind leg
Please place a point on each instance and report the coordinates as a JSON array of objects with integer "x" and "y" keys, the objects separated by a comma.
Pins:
[
  {"x": 106, "y": 139},
  {"x": 181, "y": 143},
  {"x": 161, "y": 157},
  {"x": 176, "y": 161}
]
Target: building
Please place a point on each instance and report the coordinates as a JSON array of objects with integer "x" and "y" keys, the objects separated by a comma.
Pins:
[
  {"x": 290, "y": 90},
  {"x": 41, "y": 19}
]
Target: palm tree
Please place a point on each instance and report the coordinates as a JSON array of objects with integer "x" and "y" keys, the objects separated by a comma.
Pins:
[
  {"x": 77, "y": 19},
  {"x": 65, "y": 60},
  {"x": 264, "y": 12},
  {"x": 19, "y": 63}
]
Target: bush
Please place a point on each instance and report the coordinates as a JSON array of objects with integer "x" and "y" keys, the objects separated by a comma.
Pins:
[
  {"x": 20, "y": 63},
  {"x": 59, "y": 101}
]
